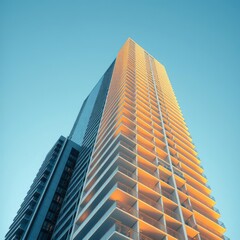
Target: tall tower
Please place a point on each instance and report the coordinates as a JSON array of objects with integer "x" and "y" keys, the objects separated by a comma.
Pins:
[
  {"x": 49, "y": 209},
  {"x": 128, "y": 169},
  {"x": 39, "y": 211},
  {"x": 144, "y": 180}
]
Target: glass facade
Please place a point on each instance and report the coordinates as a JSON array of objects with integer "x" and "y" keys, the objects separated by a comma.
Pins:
[{"x": 39, "y": 211}]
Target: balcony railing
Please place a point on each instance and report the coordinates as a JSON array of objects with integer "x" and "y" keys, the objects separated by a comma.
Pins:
[
  {"x": 191, "y": 223},
  {"x": 126, "y": 157},
  {"x": 150, "y": 201},
  {"x": 126, "y": 189},
  {"x": 167, "y": 194},
  {"x": 202, "y": 211},
  {"x": 127, "y": 208},
  {"x": 141, "y": 196},
  {"x": 212, "y": 219},
  {"x": 142, "y": 216},
  {"x": 147, "y": 169},
  {"x": 171, "y": 213},
  {"x": 129, "y": 232},
  {"x": 143, "y": 237},
  {"x": 127, "y": 172},
  {"x": 204, "y": 175},
  {"x": 128, "y": 146},
  {"x": 216, "y": 210},
  {"x": 204, "y": 237},
  {"x": 226, "y": 238},
  {"x": 183, "y": 190},
  {"x": 154, "y": 187},
  {"x": 124, "y": 230},
  {"x": 221, "y": 223},
  {"x": 164, "y": 164},
  {"x": 174, "y": 233},
  {"x": 186, "y": 205},
  {"x": 151, "y": 221},
  {"x": 201, "y": 166},
  {"x": 177, "y": 172}
]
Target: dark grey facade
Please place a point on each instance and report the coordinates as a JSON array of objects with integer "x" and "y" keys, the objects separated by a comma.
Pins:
[
  {"x": 85, "y": 135},
  {"x": 38, "y": 213},
  {"x": 49, "y": 209}
]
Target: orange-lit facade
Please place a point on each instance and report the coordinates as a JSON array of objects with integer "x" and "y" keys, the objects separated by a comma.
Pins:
[{"x": 144, "y": 180}]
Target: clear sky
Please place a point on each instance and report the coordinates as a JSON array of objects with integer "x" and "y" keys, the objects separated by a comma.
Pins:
[{"x": 52, "y": 53}]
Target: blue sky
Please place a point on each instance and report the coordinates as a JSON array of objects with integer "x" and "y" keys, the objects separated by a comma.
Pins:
[{"x": 54, "y": 52}]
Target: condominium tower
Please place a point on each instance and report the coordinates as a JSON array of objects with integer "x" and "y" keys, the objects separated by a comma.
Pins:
[{"x": 134, "y": 171}]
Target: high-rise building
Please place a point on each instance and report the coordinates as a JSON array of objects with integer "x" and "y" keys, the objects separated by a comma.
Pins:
[
  {"x": 128, "y": 170},
  {"x": 39, "y": 211},
  {"x": 50, "y": 207},
  {"x": 144, "y": 180}
]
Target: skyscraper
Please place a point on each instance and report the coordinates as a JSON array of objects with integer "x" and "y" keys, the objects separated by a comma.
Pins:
[
  {"x": 49, "y": 209},
  {"x": 135, "y": 174}
]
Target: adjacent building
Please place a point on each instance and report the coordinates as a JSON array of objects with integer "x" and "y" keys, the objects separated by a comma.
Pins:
[
  {"x": 39, "y": 211},
  {"x": 128, "y": 169}
]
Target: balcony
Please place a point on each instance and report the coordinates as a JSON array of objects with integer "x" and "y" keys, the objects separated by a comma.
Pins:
[
  {"x": 209, "y": 225},
  {"x": 204, "y": 210},
  {"x": 221, "y": 223},
  {"x": 151, "y": 221},
  {"x": 174, "y": 233},
  {"x": 147, "y": 169},
  {"x": 143, "y": 217},
  {"x": 154, "y": 204},
  {"x": 127, "y": 172},
  {"x": 186, "y": 205},
  {"x": 127, "y": 189},
  {"x": 226, "y": 238},
  {"x": 150, "y": 201},
  {"x": 164, "y": 164},
  {"x": 216, "y": 210},
  {"x": 171, "y": 213},
  {"x": 128, "y": 232},
  {"x": 167, "y": 194}
]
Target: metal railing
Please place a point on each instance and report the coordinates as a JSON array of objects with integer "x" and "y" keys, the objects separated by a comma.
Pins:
[
  {"x": 128, "y": 146},
  {"x": 167, "y": 194},
  {"x": 204, "y": 175},
  {"x": 151, "y": 221},
  {"x": 183, "y": 190},
  {"x": 127, "y": 208},
  {"x": 149, "y": 201},
  {"x": 186, "y": 205},
  {"x": 221, "y": 223},
  {"x": 123, "y": 229},
  {"x": 207, "y": 185},
  {"x": 141, "y": 215},
  {"x": 191, "y": 223},
  {"x": 171, "y": 213},
  {"x": 126, "y": 157},
  {"x": 178, "y": 173},
  {"x": 212, "y": 198},
  {"x": 142, "y": 166},
  {"x": 216, "y": 210},
  {"x": 226, "y": 238},
  {"x": 129, "y": 232},
  {"x": 127, "y": 172},
  {"x": 174, "y": 233},
  {"x": 126, "y": 189},
  {"x": 141, "y": 196},
  {"x": 164, "y": 164},
  {"x": 154, "y": 187}
]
